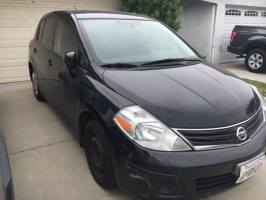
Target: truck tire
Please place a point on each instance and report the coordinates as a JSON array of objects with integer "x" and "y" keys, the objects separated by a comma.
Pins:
[{"x": 256, "y": 60}]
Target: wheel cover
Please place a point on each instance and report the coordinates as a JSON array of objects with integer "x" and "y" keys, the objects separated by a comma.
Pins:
[
  {"x": 97, "y": 155},
  {"x": 35, "y": 83},
  {"x": 255, "y": 61}
]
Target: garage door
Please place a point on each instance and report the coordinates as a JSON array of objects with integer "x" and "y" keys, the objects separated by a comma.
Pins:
[
  {"x": 239, "y": 16},
  {"x": 18, "y": 19}
]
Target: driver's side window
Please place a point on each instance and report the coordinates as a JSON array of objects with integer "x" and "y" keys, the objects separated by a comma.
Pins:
[{"x": 65, "y": 39}]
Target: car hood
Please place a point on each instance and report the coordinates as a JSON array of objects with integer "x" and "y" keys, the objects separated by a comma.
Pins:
[{"x": 195, "y": 96}]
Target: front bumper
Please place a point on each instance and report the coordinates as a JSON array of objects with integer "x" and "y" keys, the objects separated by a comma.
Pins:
[{"x": 178, "y": 175}]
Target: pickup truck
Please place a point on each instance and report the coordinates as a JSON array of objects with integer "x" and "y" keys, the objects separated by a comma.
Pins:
[{"x": 250, "y": 42}]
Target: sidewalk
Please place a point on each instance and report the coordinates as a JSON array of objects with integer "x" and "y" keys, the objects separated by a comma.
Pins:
[{"x": 240, "y": 70}]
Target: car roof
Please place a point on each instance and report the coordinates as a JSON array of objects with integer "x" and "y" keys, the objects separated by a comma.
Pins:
[{"x": 94, "y": 14}]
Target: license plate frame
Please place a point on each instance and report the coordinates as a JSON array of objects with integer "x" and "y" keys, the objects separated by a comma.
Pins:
[{"x": 249, "y": 168}]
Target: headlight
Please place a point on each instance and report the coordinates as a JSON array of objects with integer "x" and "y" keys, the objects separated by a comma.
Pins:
[
  {"x": 262, "y": 99},
  {"x": 147, "y": 131}
]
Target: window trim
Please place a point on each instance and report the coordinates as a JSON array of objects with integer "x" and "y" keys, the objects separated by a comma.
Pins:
[
  {"x": 247, "y": 13},
  {"x": 233, "y": 12}
]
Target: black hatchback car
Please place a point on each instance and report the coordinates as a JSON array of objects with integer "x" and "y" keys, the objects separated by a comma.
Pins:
[{"x": 152, "y": 115}]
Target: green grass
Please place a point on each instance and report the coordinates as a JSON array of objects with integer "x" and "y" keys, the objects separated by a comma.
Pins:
[{"x": 260, "y": 85}]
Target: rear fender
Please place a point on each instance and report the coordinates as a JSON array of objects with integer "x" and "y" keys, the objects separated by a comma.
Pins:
[{"x": 254, "y": 42}]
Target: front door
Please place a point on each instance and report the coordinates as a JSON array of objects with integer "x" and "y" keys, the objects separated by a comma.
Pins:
[{"x": 64, "y": 85}]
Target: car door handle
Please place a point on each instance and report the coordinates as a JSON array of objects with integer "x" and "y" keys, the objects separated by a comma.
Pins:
[
  {"x": 35, "y": 50},
  {"x": 50, "y": 63}
]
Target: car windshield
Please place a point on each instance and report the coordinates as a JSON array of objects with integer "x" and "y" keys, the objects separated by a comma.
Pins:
[{"x": 131, "y": 41}]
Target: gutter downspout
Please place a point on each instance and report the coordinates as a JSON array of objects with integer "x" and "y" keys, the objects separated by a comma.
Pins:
[{"x": 212, "y": 48}]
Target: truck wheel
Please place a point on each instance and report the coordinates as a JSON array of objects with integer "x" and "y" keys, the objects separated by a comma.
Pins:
[
  {"x": 97, "y": 150},
  {"x": 256, "y": 60}
]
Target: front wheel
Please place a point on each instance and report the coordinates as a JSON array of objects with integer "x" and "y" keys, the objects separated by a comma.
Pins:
[
  {"x": 97, "y": 150},
  {"x": 255, "y": 60}
]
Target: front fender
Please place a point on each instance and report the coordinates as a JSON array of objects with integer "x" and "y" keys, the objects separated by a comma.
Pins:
[{"x": 101, "y": 101}]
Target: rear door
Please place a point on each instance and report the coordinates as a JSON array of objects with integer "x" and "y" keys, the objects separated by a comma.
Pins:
[
  {"x": 36, "y": 52},
  {"x": 43, "y": 56}
]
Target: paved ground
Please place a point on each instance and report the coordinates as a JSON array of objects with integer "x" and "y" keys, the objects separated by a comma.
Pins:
[
  {"x": 239, "y": 69},
  {"x": 47, "y": 164}
]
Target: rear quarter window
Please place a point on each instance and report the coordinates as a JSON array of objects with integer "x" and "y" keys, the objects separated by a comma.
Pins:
[{"x": 48, "y": 32}]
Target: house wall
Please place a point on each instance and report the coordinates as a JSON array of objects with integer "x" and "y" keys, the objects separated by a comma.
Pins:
[
  {"x": 197, "y": 25},
  {"x": 218, "y": 32},
  {"x": 219, "y": 21},
  {"x": 258, "y": 3}
]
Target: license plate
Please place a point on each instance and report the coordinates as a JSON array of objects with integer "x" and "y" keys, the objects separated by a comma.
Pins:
[{"x": 249, "y": 168}]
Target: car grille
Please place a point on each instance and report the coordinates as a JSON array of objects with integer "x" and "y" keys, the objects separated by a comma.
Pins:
[
  {"x": 214, "y": 183},
  {"x": 223, "y": 136}
]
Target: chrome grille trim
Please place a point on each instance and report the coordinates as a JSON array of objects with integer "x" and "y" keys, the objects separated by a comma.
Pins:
[
  {"x": 219, "y": 128},
  {"x": 220, "y": 146}
]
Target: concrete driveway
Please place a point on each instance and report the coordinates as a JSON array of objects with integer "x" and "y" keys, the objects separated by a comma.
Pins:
[
  {"x": 240, "y": 70},
  {"x": 47, "y": 164}
]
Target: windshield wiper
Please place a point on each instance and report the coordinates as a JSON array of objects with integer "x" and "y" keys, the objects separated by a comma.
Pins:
[
  {"x": 120, "y": 65},
  {"x": 173, "y": 60}
]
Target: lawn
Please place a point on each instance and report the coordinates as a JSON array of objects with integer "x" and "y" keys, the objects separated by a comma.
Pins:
[{"x": 260, "y": 85}]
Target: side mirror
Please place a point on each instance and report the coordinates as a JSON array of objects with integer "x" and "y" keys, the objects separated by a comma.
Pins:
[{"x": 70, "y": 59}]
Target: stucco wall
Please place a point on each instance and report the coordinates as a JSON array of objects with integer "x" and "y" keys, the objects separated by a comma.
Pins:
[
  {"x": 197, "y": 25},
  {"x": 256, "y": 3}
]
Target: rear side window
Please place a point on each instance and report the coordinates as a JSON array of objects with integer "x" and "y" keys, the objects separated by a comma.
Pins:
[
  {"x": 39, "y": 31},
  {"x": 65, "y": 39},
  {"x": 48, "y": 31}
]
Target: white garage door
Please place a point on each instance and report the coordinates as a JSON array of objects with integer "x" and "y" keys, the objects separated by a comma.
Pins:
[
  {"x": 239, "y": 16},
  {"x": 18, "y": 19}
]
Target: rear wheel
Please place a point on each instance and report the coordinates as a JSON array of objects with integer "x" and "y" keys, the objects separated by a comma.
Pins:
[
  {"x": 97, "y": 149},
  {"x": 255, "y": 60},
  {"x": 35, "y": 86}
]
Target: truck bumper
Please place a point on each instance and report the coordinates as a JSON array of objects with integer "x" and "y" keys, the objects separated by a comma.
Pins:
[{"x": 235, "y": 50}]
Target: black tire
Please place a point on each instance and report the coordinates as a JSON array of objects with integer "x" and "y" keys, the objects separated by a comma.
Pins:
[
  {"x": 35, "y": 87},
  {"x": 256, "y": 60},
  {"x": 97, "y": 150}
]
